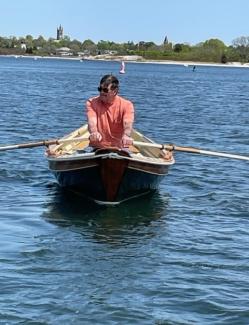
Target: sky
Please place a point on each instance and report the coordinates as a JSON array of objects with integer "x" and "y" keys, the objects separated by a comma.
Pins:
[{"x": 182, "y": 21}]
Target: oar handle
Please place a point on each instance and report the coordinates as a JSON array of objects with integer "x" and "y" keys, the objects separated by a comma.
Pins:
[
  {"x": 42, "y": 143},
  {"x": 210, "y": 153}
]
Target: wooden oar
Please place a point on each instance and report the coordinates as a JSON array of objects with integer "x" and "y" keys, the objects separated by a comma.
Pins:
[
  {"x": 41, "y": 143},
  {"x": 172, "y": 147}
]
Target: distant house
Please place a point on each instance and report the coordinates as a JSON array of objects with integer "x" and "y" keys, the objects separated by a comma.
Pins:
[
  {"x": 110, "y": 52},
  {"x": 83, "y": 53},
  {"x": 23, "y": 46},
  {"x": 64, "y": 51}
]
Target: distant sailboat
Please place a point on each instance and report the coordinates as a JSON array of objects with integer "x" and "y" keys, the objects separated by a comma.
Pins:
[{"x": 122, "y": 67}]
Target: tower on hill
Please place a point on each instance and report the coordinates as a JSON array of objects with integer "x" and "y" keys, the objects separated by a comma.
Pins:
[
  {"x": 165, "y": 42},
  {"x": 59, "y": 33}
]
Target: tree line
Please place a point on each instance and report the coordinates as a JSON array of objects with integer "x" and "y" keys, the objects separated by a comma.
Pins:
[{"x": 212, "y": 50}]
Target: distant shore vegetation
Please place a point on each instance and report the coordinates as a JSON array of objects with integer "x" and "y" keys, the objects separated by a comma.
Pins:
[{"x": 212, "y": 50}]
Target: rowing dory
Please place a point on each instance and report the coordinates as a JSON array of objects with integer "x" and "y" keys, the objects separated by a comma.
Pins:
[{"x": 110, "y": 175}]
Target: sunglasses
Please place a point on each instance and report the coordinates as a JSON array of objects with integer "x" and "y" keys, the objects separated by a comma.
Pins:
[{"x": 105, "y": 89}]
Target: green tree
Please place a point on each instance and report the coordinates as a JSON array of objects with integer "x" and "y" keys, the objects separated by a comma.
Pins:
[
  {"x": 89, "y": 46},
  {"x": 241, "y": 46},
  {"x": 65, "y": 42},
  {"x": 177, "y": 48},
  {"x": 75, "y": 46},
  {"x": 14, "y": 42},
  {"x": 214, "y": 44},
  {"x": 103, "y": 45},
  {"x": 40, "y": 42},
  {"x": 241, "y": 41}
]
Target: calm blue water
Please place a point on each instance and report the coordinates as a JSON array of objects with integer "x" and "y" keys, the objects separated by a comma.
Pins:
[{"x": 178, "y": 257}]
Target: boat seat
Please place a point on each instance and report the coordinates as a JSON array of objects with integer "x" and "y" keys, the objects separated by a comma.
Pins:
[{"x": 120, "y": 152}]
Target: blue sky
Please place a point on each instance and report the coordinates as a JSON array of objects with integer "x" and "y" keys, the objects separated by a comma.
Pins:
[{"x": 183, "y": 21}]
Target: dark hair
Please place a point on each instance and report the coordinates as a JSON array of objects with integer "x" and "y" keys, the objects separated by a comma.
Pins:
[{"x": 109, "y": 79}]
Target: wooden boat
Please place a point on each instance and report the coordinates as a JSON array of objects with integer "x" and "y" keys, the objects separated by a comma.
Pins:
[{"x": 110, "y": 175}]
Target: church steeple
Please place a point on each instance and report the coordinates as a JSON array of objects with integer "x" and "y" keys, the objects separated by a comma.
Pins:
[
  {"x": 165, "y": 42},
  {"x": 59, "y": 33}
]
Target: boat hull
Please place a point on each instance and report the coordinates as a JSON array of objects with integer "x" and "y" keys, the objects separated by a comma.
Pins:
[{"x": 109, "y": 177}]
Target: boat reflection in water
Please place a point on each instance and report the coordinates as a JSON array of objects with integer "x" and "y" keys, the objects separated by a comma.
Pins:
[{"x": 106, "y": 224}]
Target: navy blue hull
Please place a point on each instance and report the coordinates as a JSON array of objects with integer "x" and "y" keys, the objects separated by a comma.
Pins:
[
  {"x": 88, "y": 181},
  {"x": 109, "y": 175}
]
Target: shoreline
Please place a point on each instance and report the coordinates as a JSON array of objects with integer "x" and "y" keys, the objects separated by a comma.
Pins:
[{"x": 133, "y": 59}]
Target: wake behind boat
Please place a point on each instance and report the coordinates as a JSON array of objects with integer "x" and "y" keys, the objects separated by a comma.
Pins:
[{"x": 109, "y": 175}]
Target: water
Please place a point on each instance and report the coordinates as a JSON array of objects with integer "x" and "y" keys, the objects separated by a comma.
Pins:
[{"x": 177, "y": 257}]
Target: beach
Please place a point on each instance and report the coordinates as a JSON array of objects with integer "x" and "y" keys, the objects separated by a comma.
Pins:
[{"x": 135, "y": 59}]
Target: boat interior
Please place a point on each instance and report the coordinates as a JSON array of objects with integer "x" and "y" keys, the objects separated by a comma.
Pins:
[{"x": 82, "y": 146}]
